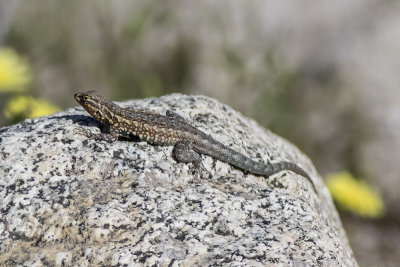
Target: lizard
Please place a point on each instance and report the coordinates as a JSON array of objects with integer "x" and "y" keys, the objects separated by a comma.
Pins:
[{"x": 170, "y": 130}]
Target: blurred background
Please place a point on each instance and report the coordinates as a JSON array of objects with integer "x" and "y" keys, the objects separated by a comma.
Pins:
[{"x": 325, "y": 75}]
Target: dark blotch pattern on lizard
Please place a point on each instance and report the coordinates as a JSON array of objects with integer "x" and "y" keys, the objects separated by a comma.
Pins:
[{"x": 173, "y": 130}]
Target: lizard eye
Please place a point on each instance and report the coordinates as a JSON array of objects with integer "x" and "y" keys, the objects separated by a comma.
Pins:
[{"x": 98, "y": 114}]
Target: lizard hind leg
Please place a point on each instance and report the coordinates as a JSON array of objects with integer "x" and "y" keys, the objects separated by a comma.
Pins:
[{"x": 184, "y": 152}]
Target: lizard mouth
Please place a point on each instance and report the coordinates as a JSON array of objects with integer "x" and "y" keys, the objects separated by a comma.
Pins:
[{"x": 79, "y": 97}]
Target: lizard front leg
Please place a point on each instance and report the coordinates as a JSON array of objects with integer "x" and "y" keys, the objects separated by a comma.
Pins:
[{"x": 110, "y": 136}]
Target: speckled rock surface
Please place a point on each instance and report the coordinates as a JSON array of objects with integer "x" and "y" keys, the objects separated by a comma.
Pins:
[{"x": 67, "y": 200}]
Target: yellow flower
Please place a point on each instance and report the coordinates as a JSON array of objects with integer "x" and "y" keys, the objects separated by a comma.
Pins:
[
  {"x": 355, "y": 196},
  {"x": 22, "y": 107},
  {"x": 15, "y": 73}
]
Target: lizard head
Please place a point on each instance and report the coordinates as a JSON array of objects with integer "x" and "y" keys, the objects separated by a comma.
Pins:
[{"x": 96, "y": 105}]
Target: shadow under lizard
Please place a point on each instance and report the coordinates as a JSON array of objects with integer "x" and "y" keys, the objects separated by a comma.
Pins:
[{"x": 173, "y": 130}]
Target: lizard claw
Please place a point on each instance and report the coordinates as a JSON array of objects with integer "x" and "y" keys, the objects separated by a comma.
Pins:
[
  {"x": 82, "y": 131},
  {"x": 198, "y": 170}
]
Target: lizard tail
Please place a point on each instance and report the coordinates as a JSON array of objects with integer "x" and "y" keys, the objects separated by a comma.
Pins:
[
  {"x": 219, "y": 151},
  {"x": 273, "y": 168}
]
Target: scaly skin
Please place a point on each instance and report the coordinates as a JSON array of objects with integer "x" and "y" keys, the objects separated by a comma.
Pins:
[{"x": 173, "y": 130}]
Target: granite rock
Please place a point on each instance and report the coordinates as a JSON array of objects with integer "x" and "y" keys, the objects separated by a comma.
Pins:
[{"x": 68, "y": 200}]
